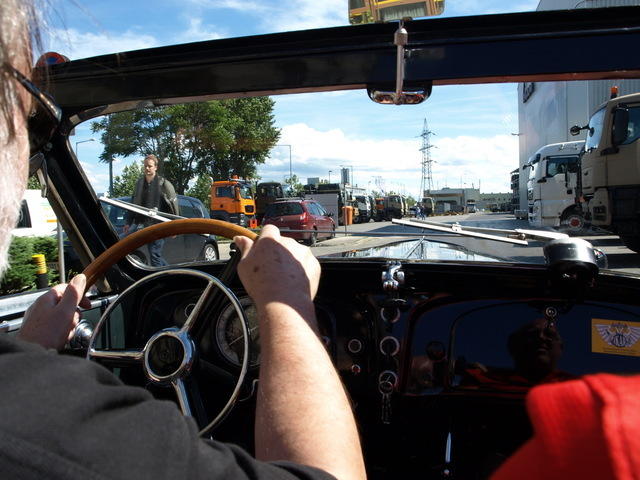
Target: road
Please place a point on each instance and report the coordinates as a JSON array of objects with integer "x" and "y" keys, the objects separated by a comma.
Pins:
[{"x": 619, "y": 257}]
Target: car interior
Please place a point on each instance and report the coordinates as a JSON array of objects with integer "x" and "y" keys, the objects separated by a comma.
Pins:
[{"x": 432, "y": 353}]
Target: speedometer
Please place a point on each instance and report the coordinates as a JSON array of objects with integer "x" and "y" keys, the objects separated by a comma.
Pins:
[{"x": 228, "y": 333}]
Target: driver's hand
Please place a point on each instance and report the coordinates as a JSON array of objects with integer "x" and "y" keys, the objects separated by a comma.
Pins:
[
  {"x": 50, "y": 320},
  {"x": 277, "y": 269}
]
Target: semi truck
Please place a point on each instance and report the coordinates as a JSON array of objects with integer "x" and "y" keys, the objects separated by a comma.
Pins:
[
  {"x": 232, "y": 201},
  {"x": 266, "y": 194},
  {"x": 609, "y": 190},
  {"x": 552, "y": 186}
]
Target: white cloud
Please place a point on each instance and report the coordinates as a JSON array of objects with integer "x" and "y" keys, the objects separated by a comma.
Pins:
[
  {"x": 285, "y": 16},
  {"x": 398, "y": 162},
  {"x": 197, "y": 32},
  {"x": 75, "y": 44}
]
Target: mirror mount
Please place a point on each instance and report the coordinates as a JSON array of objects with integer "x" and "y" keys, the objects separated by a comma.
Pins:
[
  {"x": 400, "y": 95},
  {"x": 575, "y": 130}
]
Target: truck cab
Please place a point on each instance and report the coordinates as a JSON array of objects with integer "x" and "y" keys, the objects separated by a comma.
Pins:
[
  {"x": 232, "y": 201},
  {"x": 610, "y": 170},
  {"x": 266, "y": 194},
  {"x": 551, "y": 186}
]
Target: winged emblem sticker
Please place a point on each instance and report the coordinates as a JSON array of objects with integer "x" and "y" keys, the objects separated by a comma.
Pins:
[{"x": 615, "y": 337}]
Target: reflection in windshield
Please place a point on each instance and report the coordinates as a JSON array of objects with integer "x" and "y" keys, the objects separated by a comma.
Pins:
[{"x": 418, "y": 250}]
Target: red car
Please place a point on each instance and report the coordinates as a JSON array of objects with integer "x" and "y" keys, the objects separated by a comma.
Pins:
[{"x": 300, "y": 215}]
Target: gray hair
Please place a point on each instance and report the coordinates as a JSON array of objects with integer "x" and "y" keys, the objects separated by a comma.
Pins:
[{"x": 18, "y": 32}]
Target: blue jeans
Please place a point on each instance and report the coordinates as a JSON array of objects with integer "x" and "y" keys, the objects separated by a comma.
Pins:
[
  {"x": 155, "y": 248},
  {"x": 155, "y": 253}
]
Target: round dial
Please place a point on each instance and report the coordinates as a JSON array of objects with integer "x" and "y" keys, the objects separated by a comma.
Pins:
[{"x": 228, "y": 334}]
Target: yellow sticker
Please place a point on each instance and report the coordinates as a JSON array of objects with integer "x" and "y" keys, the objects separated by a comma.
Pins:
[{"x": 615, "y": 337}]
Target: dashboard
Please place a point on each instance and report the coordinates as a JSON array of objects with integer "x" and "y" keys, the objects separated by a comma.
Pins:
[{"x": 434, "y": 373}]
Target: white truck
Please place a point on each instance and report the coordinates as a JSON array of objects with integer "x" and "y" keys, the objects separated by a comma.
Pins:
[
  {"x": 551, "y": 187},
  {"x": 37, "y": 218}
]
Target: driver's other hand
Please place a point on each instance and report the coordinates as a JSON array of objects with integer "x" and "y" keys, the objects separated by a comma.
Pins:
[
  {"x": 50, "y": 320},
  {"x": 277, "y": 269}
]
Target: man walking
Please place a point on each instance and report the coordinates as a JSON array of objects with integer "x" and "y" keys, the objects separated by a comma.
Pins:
[{"x": 152, "y": 191}]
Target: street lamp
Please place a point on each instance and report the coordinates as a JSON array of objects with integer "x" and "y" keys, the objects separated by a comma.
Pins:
[
  {"x": 290, "y": 169},
  {"x": 83, "y": 141},
  {"x": 330, "y": 175}
]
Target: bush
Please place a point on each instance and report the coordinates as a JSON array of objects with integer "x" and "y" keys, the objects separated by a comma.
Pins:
[{"x": 21, "y": 275}]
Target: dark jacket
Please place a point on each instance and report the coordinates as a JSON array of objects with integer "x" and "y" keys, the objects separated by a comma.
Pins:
[{"x": 168, "y": 201}]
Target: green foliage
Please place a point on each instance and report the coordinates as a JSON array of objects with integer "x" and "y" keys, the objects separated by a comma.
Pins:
[
  {"x": 33, "y": 183},
  {"x": 124, "y": 184},
  {"x": 217, "y": 138},
  {"x": 21, "y": 275},
  {"x": 295, "y": 186},
  {"x": 202, "y": 190}
]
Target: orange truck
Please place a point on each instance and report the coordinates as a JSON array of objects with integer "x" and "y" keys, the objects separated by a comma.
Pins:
[{"x": 232, "y": 201}]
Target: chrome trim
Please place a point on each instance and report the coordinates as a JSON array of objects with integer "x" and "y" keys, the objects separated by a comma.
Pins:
[
  {"x": 188, "y": 352},
  {"x": 124, "y": 356},
  {"x": 396, "y": 345},
  {"x": 195, "y": 312},
  {"x": 183, "y": 399},
  {"x": 182, "y": 335}
]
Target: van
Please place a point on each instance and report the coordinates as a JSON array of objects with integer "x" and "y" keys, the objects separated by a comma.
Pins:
[{"x": 37, "y": 218}]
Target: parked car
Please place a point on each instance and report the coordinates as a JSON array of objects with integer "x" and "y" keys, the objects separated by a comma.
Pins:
[
  {"x": 179, "y": 249},
  {"x": 301, "y": 215}
]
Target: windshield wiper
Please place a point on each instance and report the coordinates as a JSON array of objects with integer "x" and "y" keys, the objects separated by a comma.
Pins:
[{"x": 517, "y": 236}]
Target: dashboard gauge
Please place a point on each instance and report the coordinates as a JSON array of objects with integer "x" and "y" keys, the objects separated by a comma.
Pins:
[{"x": 228, "y": 334}]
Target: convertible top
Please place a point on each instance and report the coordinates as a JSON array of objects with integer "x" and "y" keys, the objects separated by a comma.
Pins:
[{"x": 533, "y": 46}]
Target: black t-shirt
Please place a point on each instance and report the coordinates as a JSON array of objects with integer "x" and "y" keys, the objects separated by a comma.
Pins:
[{"x": 67, "y": 418}]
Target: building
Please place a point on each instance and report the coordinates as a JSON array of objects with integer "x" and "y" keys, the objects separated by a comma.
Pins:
[
  {"x": 495, "y": 202},
  {"x": 547, "y": 110},
  {"x": 452, "y": 198}
]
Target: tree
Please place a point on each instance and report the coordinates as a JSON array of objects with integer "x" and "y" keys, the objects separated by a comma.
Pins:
[
  {"x": 125, "y": 184},
  {"x": 217, "y": 138},
  {"x": 202, "y": 190},
  {"x": 33, "y": 183},
  {"x": 294, "y": 184}
]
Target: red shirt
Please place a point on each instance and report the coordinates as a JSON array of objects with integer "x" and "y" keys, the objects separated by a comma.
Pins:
[{"x": 586, "y": 428}]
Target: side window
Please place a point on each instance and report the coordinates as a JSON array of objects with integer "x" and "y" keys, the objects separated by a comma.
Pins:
[
  {"x": 633, "y": 129},
  {"x": 186, "y": 208},
  {"x": 197, "y": 210},
  {"x": 224, "y": 192},
  {"x": 25, "y": 219}
]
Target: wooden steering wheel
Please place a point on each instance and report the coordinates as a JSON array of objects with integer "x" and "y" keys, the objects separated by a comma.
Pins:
[
  {"x": 117, "y": 252},
  {"x": 168, "y": 356}
]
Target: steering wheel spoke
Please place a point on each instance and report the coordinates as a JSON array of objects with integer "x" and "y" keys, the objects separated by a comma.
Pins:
[
  {"x": 117, "y": 358},
  {"x": 189, "y": 399},
  {"x": 194, "y": 318}
]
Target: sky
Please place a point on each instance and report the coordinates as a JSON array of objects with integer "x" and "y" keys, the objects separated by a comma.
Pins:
[{"x": 474, "y": 127}]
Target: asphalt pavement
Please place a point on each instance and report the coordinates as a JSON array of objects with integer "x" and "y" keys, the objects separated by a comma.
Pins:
[{"x": 619, "y": 257}]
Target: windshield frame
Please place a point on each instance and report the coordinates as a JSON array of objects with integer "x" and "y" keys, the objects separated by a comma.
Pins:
[{"x": 344, "y": 57}]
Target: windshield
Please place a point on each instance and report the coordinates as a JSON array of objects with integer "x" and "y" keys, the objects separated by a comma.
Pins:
[
  {"x": 595, "y": 130},
  {"x": 456, "y": 158}
]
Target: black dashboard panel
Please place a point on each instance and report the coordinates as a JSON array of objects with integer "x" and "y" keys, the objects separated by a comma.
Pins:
[{"x": 436, "y": 370}]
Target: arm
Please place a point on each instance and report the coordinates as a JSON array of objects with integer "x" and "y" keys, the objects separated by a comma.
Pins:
[{"x": 303, "y": 414}]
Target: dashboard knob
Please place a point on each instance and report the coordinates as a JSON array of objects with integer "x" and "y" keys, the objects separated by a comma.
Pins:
[
  {"x": 354, "y": 346},
  {"x": 356, "y": 369},
  {"x": 389, "y": 345}
]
